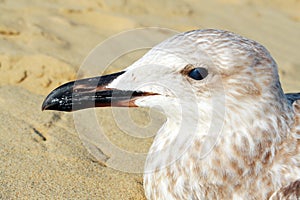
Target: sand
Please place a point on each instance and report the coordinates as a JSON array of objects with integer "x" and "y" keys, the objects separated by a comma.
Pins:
[{"x": 42, "y": 45}]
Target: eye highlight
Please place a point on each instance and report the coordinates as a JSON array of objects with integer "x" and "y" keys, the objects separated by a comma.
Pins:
[{"x": 198, "y": 73}]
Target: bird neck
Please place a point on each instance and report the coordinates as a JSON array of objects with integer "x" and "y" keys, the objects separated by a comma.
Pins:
[
  {"x": 232, "y": 148},
  {"x": 250, "y": 127}
]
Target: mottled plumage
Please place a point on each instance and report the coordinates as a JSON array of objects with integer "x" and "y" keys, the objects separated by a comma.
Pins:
[
  {"x": 232, "y": 135},
  {"x": 257, "y": 149}
]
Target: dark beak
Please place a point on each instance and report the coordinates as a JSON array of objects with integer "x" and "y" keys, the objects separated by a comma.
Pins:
[{"x": 89, "y": 93}]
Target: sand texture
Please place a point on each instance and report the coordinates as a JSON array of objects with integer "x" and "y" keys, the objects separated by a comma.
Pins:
[{"x": 42, "y": 45}]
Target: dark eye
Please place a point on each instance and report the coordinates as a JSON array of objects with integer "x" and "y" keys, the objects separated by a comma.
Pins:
[{"x": 198, "y": 73}]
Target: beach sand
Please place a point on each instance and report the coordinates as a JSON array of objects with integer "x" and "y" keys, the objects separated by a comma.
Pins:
[{"x": 42, "y": 45}]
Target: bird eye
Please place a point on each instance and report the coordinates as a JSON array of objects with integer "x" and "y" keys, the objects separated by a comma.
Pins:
[{"x": 198, "y": 73}]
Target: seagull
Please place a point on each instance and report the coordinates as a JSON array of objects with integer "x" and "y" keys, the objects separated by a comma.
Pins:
[{"x": 231, "y": 132}]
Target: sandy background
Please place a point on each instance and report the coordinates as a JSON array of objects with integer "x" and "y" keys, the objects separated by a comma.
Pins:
[{"x": 42, "y": 45}]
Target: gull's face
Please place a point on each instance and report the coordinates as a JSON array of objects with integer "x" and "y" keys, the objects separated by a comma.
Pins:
[
  {"x": 174, "y": 73},
  {"x": 167, "y": 82}
]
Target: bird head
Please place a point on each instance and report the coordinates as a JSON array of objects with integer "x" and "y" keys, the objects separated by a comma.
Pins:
[
  {"x": 190, "y": 67},
  {"x": 194, "y": 77}
]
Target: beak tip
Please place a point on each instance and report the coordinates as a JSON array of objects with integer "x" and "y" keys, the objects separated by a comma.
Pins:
[
  {"x": 59, "y": 98},
  {"x": 46, "y": 105},
  {"x": 52, "y": 102}
]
